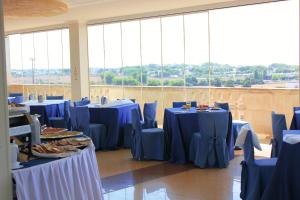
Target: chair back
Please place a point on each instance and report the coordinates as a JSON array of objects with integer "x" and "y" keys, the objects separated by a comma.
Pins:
[
  {"x": 15, "y": 94},
  {"x": 31, "y": 97},
  {"x": 67, "y": 114},
  {"x": 150, "y": 114},
  {"x": 248, "y": 148},
  {"x": 85, "y": 101},
  {"x": 180, "y": 104},
  {"x": 296, "y": 108},
  {"x": 80, "y": 118},
  {"x": 214, "y": 124},
  {"x": 214, "y": 129},
  {"x": 278, "y": 125},
  {"x": 224, "y": 106},
  {"x": 136, "y": 123},
  {"x": 18, "y": 99},
  {"x": 54, "y": 97}
]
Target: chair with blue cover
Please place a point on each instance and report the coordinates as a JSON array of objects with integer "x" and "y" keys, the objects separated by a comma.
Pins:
[
  {"x": 83, "y": 102},
  {"x": 54, "y": 97},
  {"x": 224, "y": 106},
  {"x": 180, "y": 104},
  {"x": 64, "y": 121},
  {"x": 150, "y": 110},
  {"x": 295, "y": 124},
  {"x": 147, "y": 144},
  {"x": 256, "y": 173},
  {"x": 19, "y": 98},
  {"x": 278, "y": 125},
  {"x": 208, "y": 147},
  {"x": 149, "y": 122},
  {"x": 80, "y": 121}
]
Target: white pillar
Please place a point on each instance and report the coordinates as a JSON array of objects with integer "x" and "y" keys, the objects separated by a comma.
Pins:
[
  {"x": 79, "y": 60},
  {"x": 5, "y": 174}
]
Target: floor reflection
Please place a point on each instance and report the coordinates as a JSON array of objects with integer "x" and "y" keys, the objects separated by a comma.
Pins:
[{"x": 126, "y": 179}]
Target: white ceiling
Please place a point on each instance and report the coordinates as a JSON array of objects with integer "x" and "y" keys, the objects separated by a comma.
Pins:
[
  {"x": 76, "y": 3},
  {"x": 91, "y": 10}
]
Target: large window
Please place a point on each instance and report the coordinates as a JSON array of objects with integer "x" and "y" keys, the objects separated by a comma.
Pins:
[
  {"x": 216, "y": 55},
  {"x": 40, "y": 59}
]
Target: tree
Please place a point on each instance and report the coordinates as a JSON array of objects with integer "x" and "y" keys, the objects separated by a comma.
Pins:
[
  {"x": 154, "y": 82},
  {"x": 191, "y": 81},
  {"x": 108, "y": 76}
]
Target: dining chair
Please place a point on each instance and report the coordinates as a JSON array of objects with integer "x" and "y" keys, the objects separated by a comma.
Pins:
[
  {"x": 63, "y": 121},
  {"x": 208, "y": 147},
  {"x": 80, "y": 121},
  {"x": 278, "y": 125},
  {"x": 149, "y": 112},
  {"x": 83, "y": 102},
  {"x": 256, "y": 173},
  {"x": 147, "y": 144},
  {"x": 180, "y": 104},
  {"x": 224, "y": 106},
  {"x": 54, "y": 97}
]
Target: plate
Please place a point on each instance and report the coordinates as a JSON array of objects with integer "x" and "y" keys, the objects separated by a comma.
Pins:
[
  {"x": 50, "y": 130},
  {"x": 55, "y": 155},
  {"x": 65, "y": 134}
]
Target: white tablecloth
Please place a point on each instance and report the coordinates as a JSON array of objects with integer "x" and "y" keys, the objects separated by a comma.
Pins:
[
  {"x": 73, "y": 178},
  {"x": 45, "y": 102}
]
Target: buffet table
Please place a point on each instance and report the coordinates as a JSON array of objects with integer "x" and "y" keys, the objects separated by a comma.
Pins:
[
  {"x": 72, "y": 178},
  {"x": 114, "y": 118}
]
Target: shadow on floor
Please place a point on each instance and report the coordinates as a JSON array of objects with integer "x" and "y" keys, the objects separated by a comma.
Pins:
[{"x": 131, "y": 178}]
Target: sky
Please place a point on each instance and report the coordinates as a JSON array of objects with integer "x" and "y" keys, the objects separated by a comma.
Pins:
[{"x": 248, "y": 35}]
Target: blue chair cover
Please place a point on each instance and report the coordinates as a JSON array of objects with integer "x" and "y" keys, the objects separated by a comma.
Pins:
[
  {"x": 278, "y": 125},
  {"x": 285, "y": 184},
  {"x": 31, "y": 97},
  {"x": 80, "y": 121},
  {"x": 256, "y": 174},
  {"x": 180, "y": 104},
  {"x": 54, "y": 97},
  {"x": 224, "y": 106},
  {"x": 148, "y": 144},
  {"x": 150, "y": 115},
  {"x": 64, "y": 121},
  {"x": 208, "y": 147},
  {"x": 83, "y": 102}
]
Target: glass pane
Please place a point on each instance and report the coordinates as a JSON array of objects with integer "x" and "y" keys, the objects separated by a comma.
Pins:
[
  {"x": 96, "y": 54},
  {"x": 197, "y": 57},
  {"x": 41, "y": 58},
  {"x": 151, "y": 64},
  {"x": 28, "y": 58},
  {"x": 173, "y": 59},
  {"x": 55, "y": 57},
  {"x": 15, "y": 56},
  {"x": 66, "y": 57},
  {"x": 131, "y": 60},
  {"x": 113, "y": 56}
]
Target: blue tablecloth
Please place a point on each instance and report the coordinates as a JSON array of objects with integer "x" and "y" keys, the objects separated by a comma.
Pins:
[
  {"x": 47, "y": 109},
  {"x": 114, "y": 118},
  {"x": 179, "y": 125},
  {"x": 295, "y": 124},
  {"x": 285, "y": 182}
]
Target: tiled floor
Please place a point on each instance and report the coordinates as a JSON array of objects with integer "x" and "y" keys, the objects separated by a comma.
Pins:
[{"x": 126, "y": 179}]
